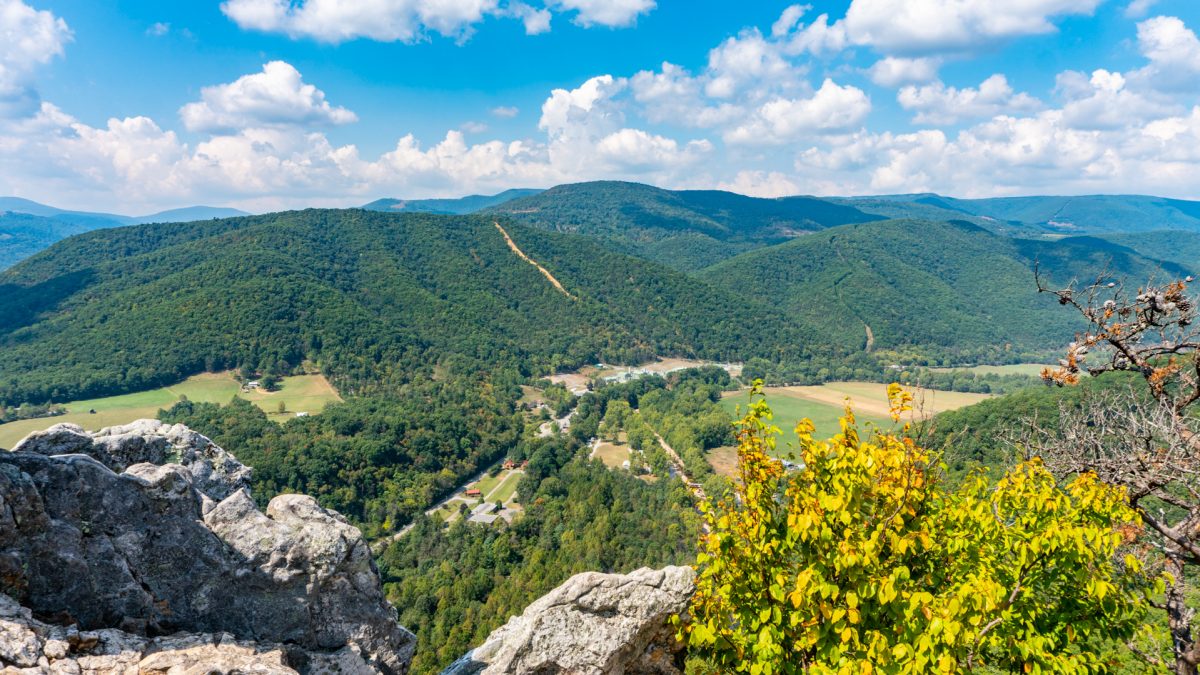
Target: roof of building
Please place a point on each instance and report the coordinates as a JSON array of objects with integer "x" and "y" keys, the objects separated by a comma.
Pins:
[
  {"x": 486, "y": 507},
  {"x": 483, "y": 518}
]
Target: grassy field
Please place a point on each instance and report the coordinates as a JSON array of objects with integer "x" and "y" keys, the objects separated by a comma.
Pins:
[
  {"x": 613, "y": 455},
  {"x": 1032, "y": 369},
  {"x": 789, "y": 408},
  {"x": 824, "y": 404},
  {"x": 507, "y": 489},
  {"x": 724, "y": 460},
  {"x": 302, "y": 393}
]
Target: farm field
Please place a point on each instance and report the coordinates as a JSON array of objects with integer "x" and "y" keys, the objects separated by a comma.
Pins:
[
  {"x": 301, "y": 393},
  {"x": 824, "y": 404},
  {"x": 1031, "y": 369}
]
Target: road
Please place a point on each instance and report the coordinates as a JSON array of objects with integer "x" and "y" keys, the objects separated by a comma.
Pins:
[
  {"x": 678, "y": 462},
  {"x": 458, "y": 494}
]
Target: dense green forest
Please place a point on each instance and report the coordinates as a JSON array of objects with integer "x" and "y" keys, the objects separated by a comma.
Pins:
[
  {"x": 374, "y": 300},
  {"x": 454, "y": 586},
  {"x": 22, "y": 235},
  {"x": 685, "y": 229},
  {"x": 949, "y": 287},
  {"x": 1179, "y": 247},
  {"x": 379, "y": 461}
]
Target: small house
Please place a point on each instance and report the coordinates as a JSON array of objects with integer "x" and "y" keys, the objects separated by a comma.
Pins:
[{"x": 474, "y": 492}]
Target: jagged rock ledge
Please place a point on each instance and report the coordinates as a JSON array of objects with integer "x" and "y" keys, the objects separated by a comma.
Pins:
[
  {"x": 148, "y": 530},
  {"x": 594, "y": 624},
  {"x": 29, "y": 646}
]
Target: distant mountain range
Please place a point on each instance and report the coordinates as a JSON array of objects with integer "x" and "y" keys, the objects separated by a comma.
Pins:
[
  {"x": 937, "y": 285},
  {"x": 1087, "y": 214},
  {"x": 27, "y": 227},
  {"x": 368, "y": 295},
  {"x": 691, "y": 230},
  {"x": 373, "y": 296},
  {"x": 686, "y": 229},
  {"x": 455, "y": 207}
]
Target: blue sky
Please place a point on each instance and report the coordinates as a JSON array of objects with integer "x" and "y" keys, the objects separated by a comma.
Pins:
[{"x": 264, "y": 104}]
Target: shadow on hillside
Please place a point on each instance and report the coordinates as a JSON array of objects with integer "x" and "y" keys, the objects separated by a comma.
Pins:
[{"x": 21, "y": 305}]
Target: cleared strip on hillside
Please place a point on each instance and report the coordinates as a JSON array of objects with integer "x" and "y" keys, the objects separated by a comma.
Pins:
[{"x": 545, "y": 272}]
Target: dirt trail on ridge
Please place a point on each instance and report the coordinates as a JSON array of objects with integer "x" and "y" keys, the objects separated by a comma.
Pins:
[{"x": 545, "y": 272}]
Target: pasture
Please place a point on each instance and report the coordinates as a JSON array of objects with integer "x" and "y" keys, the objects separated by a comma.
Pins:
[
  {"x": 824, "y": 405},
  {"x": 301, "y": 393}
]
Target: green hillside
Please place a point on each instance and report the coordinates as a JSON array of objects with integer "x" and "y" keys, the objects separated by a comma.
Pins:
[
  {"x": 687, "y": 230},
  {"x": 948, "y": 286},
  {"x": 22, "y": 235},
  {"x": 1181, "y": 248},
  {"x": 27, "y": 227},
  {"x": 370, "y": 297}
]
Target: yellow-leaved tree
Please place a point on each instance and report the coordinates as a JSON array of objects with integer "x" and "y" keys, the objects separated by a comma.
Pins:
[{"x": 859, "y": 561}]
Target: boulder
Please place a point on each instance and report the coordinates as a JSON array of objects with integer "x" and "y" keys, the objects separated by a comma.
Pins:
[
  {"x": 150, "y": 529},
  {"x": 594, "y": 624}
]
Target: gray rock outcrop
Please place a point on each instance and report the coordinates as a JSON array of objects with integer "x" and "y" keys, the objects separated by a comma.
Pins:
[
  {"x": 150, "y": 529},
  {"x": 31, "y": 646},
  {"x": 594, "y": 624},
  {"x": 215, "y": 473}
]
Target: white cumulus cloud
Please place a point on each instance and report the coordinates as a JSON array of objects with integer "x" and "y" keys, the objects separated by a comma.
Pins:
[
  {"x": 928, "y": 26},
  {"x": 29, "y": 38},
  {"x": 341, "y": 20},
  {"x": 894, "y": 71},
  {"x": 832, "y": 108},
  {"x": 612, "y": 13},
  {"x": 937, "y": 104},
  {"x": 276, "y": 96},
  {"x": 412, "y": 20}
]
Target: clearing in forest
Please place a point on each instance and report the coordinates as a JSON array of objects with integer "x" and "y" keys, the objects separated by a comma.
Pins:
[{"x": 300, "y": 393}]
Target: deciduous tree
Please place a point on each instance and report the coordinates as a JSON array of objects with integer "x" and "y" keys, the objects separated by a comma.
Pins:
[{"x": 861, "y": 562}]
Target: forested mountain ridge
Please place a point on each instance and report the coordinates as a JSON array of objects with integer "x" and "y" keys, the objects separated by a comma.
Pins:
[
  {"x": 1181, "y": 248},
  {"x": 1083, "y": 214},
  {"x": 370, "y": 297},
  {"x": 943, "y": 285},
  {"x": 23, "y": 234},
  {"x": 454, "y": 206},
  {"x": 27, "y": 227},
  {"x": 686, "y": 229}
]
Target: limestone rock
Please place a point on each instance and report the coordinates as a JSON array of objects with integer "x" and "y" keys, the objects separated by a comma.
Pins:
[
  {"x": 594, "y": 624},
  {"x": 215, "y": 473},
  {"x": 174, "y": 543},
  {"x": 31, "y": 646}
]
